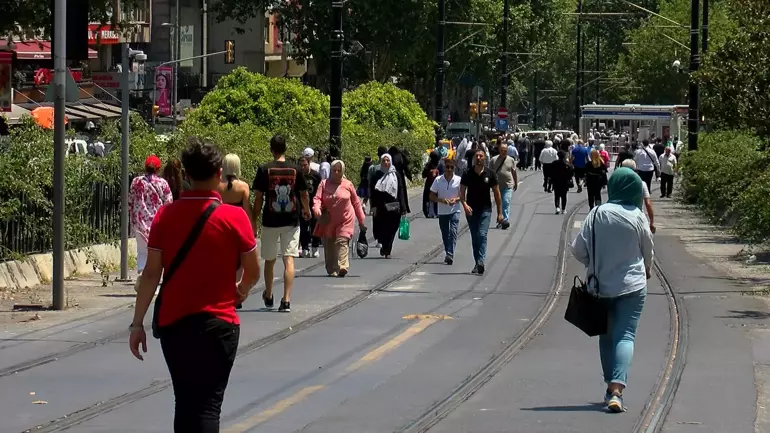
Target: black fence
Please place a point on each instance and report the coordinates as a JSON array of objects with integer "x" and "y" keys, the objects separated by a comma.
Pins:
[{"x": 94, "y": 218}]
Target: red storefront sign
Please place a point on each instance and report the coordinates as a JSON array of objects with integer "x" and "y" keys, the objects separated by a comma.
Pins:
[
  {"x": 104, "y": 35},
  {"x": 45, "y": 76}
]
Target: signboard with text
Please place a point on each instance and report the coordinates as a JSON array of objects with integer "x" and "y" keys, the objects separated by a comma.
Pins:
[
  {"x": 6, "y": 91},
  {"x": 105, "y": 35}
]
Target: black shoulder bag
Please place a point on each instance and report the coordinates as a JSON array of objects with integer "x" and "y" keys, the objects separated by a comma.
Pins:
[
  {"x": 586, "y": 310},
  {"x": 181, "y": 254}
]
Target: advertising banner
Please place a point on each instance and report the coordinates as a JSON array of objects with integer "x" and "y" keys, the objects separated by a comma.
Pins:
[
  {"x": 6, "y": 92},
  {"x": 164, "y": 76}
]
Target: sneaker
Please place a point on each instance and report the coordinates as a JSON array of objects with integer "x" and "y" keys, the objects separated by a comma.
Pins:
[
  {"x": 448, "y": 260},
  {"x": 480, "y": 269},
  {"x": 615, "y": 404},
  {"x": 268, "y": 301},
  {"x": 475, "y": 270},
  {"x": 558, "y": 211},
  {"x": 562, "y": 211},
  {"x": 305, "y": 253},
  {"x": 607, "y": 397},
  {"x": 342, "y": 273},
  {"x": 285, "y": 307},
  {"x": 314, "y": 252},
  {"x": 499, "y": 225},
  {"x": 379, "y": 245}
]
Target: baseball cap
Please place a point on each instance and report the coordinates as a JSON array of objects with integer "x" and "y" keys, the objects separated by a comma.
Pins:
[
  {"x": 152, "y": 161},
  {"x": 308, "y": 153}
]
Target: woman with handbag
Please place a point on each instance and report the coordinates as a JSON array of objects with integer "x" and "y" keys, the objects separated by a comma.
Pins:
[
  {"x": 615, "y": 244},
  {"x": 388, "y": 204},
  {"x": 596, "y": 178},
  {"x": 336, "y": 207},
  {"x": 561, "y": 179}
]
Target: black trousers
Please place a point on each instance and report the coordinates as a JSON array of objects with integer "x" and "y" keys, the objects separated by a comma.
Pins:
[
  {"x": 385, "y": 229},
  {"x": 560, "y": 197},
  {"x": 306, "y": 238},
  {"x": 594, "y": 195},
  {"x": 646, "y": 177},
  {"x": 199, "y": 351},
  {"x": 666, "y": 184},
  {"x": 547, "y": 179},
  {"x": 580, "y": 174}
]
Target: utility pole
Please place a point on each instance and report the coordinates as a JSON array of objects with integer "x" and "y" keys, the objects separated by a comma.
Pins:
[
  {"x": 177, "y": 55},
  {"x": 598, "y": 68},
  {"x": 705, "y": 27},
  {"x": 335, "y": 97},
  {"x": 124, "y": 133},
  {"x": 439, "y": 108},
  {"x": 577, "y": 63},
  {"x": 504, "y": 59},
  {"x": 60, "y": 87},
  {"x": 693, "y": 118},
  {"x": 534, "y": 101}
]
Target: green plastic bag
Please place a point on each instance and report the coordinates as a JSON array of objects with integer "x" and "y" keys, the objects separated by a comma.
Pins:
[{"x": 403, "y": 229}]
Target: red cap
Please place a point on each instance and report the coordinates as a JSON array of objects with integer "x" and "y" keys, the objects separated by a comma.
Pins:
[{"x": 152, "y": 161}]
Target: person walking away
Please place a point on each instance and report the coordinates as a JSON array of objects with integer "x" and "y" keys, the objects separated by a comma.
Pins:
[
  {"x": 561, "y": 178},
  {"x": 400, "y": 161},
  {"x": 596, "y": 179},
  {"x": 659, "y": 147},
  {"x": 446, "y": 192},
  {"x": 172, "y": 173},
  {"x": 234, "y": 191},
  {"x": 146, "y": 196},
  {"x": 430, "y": 172},
  {"x": 314, "y": 166},
  {"x": 548, "y": 156},
  {"x": 281, "y": 197},
  {"x": 475, "y": 186},
  {"x": 461, "y": 163},
  {"x": 620, "y": 259},
  {"x": 363, "y": 183},
  {"x": 195, "y": 311},
  {"x": 324, "y": 168},
  {"x": 539, "y": 146},
  {"x": 605, "y": 155},
  {"x": 512, "y": 151},
  {"x": 507, "y": 179},
  {"x": 630, "y": 164},
  {"x": 580, "y": 155},
  {"x": 623, "y": 155},
  {"x": 523, "y": 152},
  {"x": 668, "y": 168},
  {"x": 336, "y": 197},
  {"x": 308, "y": 242},
  {"x": 388, "y": 204},
  {"x": 646, "y": 163}
]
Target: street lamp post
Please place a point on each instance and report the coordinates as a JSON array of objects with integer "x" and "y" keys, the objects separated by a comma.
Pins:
[
  {"x": 504, "y": 57},
  {"x": 439, "y": 108},
  {"x": 693, "y": 117},
  {"x": 578, "y": 73},
  {"x": 177, "y": 52},
  {"x": 335, "y": 97}
]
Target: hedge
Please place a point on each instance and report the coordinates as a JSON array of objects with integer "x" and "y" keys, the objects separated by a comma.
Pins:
[{"x": 728, "y": 179}]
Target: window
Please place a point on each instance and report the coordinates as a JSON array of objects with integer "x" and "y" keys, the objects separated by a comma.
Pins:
[{"x": 266, "y": 30}]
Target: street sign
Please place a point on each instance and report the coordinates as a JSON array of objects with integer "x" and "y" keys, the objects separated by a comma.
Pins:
[
  {"x": 502, "y": 113},
  {"x": 502, "y": 124},
  {"x": 477, "y": 92}
]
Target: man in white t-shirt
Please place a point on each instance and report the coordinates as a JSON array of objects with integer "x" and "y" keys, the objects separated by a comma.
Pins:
[
  {"x": 314, "y": 166},
  {"x": 446, "y": 192}
]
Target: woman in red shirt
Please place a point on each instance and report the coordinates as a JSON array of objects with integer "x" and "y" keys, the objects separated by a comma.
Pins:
[{"x": 197, "y": 246}]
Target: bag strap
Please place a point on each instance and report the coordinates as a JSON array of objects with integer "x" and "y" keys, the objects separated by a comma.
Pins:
[
  {"x": 593, "y": 249},
  {"x": 178, "y": 259},
  {"x": 500, "y": 165}
]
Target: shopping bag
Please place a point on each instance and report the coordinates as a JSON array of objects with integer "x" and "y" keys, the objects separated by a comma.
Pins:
[
  {"x": 586, "y": 310},
  {"x": 403, "y": 229},
  {"x": 362, "y": 245}
]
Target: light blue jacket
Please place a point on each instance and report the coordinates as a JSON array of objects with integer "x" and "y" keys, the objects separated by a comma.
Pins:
[{"x": 624, "y": 249}]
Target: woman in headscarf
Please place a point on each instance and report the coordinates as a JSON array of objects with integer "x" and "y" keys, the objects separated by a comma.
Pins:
[
  {"x": 620, "y": 260},
  {"x": 401, "y": 162},
  {"x": 596, "y": 179},
  {"x": 337, "y": 198},
  {"x": 388, "y": 203},
  {"x": 430, "y": 172}
]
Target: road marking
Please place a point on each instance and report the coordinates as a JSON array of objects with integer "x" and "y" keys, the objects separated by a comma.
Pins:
[
  {"x": 271, "y": 412},
  {"x": 427, "y": 316},
  {"x": 393, "y": 344},
  {"x": 403, "y": 287}
]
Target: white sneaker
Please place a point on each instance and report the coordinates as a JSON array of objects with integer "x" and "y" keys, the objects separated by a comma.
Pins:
[
  {"x": 558, "y": 211},
  {"x": 562, "y": 211},
  {"x": 305, "y": 254},
  {"x": 314, "y": 253}
]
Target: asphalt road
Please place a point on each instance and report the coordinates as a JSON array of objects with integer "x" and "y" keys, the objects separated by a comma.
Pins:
[{"x": 396, "y": 337}]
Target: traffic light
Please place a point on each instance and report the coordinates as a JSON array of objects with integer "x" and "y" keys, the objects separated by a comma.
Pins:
[
  {"x": 155, "y": 110},
  {"x": 484, "y": 106},
  {"x": 474, "y": 110},
  {"x": 229, "y": 52}
]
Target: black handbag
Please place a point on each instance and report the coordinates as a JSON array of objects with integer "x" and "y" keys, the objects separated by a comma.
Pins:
[
  {"x": 586, "y": 310},
  {"x": 181, "y": 254},
  {"x": 362, "y": 245}
]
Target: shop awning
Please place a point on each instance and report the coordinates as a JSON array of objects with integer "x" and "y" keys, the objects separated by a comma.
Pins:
[
  {"x": 93, "y": 109},
  {"x": 37, "y": 50}
]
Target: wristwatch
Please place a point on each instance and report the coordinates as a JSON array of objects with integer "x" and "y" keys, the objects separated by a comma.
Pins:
[{"x": 132, "y": 327}]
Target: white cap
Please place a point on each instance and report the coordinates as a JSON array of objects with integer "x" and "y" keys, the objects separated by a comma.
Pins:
[{"x": 308, "y": 153}]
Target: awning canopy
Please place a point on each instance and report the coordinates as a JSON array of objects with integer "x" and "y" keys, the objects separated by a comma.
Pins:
[
  {"x": 82, "y": 111},
  {"x": 37, "y": 50}
]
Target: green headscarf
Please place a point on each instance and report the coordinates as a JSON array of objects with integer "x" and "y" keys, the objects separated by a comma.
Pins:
[{"x": 625, "y": 188}]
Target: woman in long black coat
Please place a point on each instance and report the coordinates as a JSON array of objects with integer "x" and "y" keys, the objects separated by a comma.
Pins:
[{"x": 401, "y": 163}]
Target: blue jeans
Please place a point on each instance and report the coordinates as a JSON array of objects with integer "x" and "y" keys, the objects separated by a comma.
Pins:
[
  {"x": 478, "y": 225},
  {"x": 616, "y": 348},
  {"x": 448, "y": 225},
  {"x": 507, "y": 195}
]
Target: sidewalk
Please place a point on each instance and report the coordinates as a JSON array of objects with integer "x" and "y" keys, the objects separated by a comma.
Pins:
[{"x": 726, "y": 380}]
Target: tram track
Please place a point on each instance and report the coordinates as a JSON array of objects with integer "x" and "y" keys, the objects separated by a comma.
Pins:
[{"x": 102, "y": 407}]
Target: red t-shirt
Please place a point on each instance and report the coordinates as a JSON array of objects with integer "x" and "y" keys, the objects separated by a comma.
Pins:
[{"x": 205, "y": 281}]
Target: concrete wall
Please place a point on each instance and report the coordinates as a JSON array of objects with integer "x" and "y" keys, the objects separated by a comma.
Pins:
[{"x": 38, "y": 269}]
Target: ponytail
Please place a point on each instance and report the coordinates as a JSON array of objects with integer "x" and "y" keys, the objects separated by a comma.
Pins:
[{"x": 230, "y": 178}]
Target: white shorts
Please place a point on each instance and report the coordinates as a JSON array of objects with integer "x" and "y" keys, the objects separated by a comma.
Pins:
[
  {"x": 287, "y": 237},
  {"x": 141, "y": 253}
]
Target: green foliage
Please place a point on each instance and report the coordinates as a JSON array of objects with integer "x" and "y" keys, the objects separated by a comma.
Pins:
[{"x": 728, "y": 180}]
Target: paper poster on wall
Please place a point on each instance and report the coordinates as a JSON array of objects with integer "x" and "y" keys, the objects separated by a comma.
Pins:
[
  {"x": 163, "y": 84},
  {"x": 6, "y": 92}
]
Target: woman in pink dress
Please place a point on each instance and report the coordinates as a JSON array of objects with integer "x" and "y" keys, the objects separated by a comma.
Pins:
[{"x": 336, "y": 207}]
